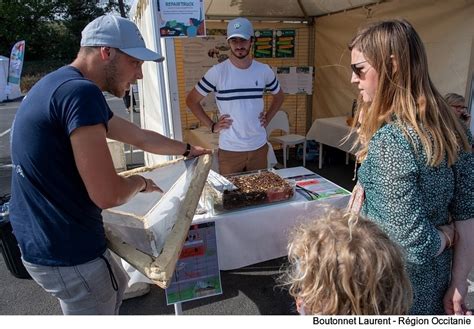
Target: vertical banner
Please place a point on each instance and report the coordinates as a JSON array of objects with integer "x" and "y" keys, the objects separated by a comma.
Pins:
[
  {"x": 197, "y": 272},
  {"x": 181, "y": 18},
  {"x": 263, "y": 44},
  {"x": 14, "y": 70},
  {"x": 285, "y": 43},
  {"x": 3, "y": 76}
]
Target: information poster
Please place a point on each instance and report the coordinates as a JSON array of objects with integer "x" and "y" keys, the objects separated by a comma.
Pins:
[
  {"x": 181, "y": 18},
  {"x": 284, "y": 77},
  {"x": 263, "y": 44},
  {"x": 304, "y": 78},
  {"x": 197, "y": 272},
  {"x": 200, "y": 55},
  {"x": 295, "y": 79},
  {"x": 285, "y": 43}
]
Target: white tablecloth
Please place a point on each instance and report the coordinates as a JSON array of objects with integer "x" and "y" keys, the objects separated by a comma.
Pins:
[
  {"x": 259, "y": 234},
  {"x": 332, "y": 132}
]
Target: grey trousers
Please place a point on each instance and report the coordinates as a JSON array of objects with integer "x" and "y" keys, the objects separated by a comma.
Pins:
[{"x": 87, "y": 288}]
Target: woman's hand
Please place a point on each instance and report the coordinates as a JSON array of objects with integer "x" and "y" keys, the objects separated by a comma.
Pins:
[
  {"x": 449, "y": 232},
  {"x": 454, "y": 299}
]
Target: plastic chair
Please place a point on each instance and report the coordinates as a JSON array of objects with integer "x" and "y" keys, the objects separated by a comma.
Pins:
[{"x": 280, "y": 121}]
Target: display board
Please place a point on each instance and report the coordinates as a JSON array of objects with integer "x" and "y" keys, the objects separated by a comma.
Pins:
[
  {"x": 285, "y": 43},
  {"x": 295, "y": 79},
  {"x": 197, "y": 272},
  {"x": 263, "y": 44}
]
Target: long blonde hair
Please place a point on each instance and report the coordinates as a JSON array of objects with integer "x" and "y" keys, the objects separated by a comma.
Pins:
[
  {"x": 338, "y": 265},
  {"x": 405, "y": 93}
]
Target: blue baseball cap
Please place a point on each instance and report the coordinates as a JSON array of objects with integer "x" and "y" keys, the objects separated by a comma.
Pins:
[
  {"x": 118, "y": 32},
  {"x": 239, "y": 28}
]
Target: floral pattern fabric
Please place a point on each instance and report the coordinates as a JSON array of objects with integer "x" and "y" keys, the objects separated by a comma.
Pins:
[{"x": 409, "y": 199}]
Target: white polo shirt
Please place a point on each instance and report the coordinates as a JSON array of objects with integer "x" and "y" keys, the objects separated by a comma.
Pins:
[{"x": 239, "y": 93}]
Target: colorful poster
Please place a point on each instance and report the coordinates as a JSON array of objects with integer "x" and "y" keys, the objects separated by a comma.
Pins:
[
  {"x": 285, "y": 43},
  {"x": 181, "y": 18},
  {"x": 263, "y": 44},
  {"x": 17, "y": 57},
  {"x": 197, "y": 272}
]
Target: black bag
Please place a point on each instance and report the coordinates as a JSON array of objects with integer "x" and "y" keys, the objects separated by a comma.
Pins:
[{"x": 8, "y": 244}]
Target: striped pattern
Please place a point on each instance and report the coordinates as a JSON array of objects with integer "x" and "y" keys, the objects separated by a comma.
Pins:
[{"x": 234, "y": 94}]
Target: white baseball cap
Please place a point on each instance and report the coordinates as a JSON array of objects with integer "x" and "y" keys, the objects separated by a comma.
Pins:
[
  {"x": 117, "y": 32},
  {"x": 239, "y": 28}
]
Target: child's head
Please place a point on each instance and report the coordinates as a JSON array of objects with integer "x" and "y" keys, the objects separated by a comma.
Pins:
[{"x": 346, "y": 266}]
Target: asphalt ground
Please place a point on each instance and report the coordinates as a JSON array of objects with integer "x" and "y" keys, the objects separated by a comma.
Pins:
[{"x": 248, "y": 291}]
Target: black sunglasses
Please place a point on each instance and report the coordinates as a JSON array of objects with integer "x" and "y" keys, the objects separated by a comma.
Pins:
[{"x": 357, "y": 70}]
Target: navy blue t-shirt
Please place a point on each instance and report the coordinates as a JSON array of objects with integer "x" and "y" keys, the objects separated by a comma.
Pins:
[{"x": 53, "y": 218}]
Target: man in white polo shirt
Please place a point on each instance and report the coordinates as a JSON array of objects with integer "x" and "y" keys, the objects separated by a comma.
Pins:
[{"x": 239, "y": 83}]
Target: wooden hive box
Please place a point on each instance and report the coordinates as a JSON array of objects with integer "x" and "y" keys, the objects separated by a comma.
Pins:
[{"x": 150, "y": 230}]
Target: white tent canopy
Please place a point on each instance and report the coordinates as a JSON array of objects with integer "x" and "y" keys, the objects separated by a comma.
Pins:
[
  {"x": 445, "y": 27},
  {"x": 278, "y": 9}
]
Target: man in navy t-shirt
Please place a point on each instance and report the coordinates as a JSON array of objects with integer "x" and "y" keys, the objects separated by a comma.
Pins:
[{"x": 63, "y": 171}]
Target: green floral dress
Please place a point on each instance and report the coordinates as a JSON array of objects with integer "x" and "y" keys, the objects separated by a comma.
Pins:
[{"x": 409, "y": 200}]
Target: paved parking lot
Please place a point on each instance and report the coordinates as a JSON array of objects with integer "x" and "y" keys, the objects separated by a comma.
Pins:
[{"x": 247, "y": 291}]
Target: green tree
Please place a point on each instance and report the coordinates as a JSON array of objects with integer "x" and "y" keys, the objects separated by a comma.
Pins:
[{"x": 51, "y": 28}]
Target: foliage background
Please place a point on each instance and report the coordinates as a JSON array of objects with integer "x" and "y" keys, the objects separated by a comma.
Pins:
[{"x": 51, "y": 29}]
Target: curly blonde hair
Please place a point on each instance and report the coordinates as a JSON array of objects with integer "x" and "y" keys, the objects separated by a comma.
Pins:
[{"x": 341, "y": 264}]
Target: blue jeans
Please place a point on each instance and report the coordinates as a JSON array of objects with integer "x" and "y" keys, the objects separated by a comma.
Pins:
[{"x": 86, "y": 288}]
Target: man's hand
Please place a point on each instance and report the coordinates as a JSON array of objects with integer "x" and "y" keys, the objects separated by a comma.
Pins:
[
  {"x": 149, "y": 186},
  {"x": 454, "y": 299},
  {"x": 263, "y": 119},
  {"x": 197, "y": 151},
  {"x": 224, "y": 122}
]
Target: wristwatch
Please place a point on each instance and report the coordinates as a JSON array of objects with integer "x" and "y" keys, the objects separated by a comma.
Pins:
[{"x": 188, "y": 150}]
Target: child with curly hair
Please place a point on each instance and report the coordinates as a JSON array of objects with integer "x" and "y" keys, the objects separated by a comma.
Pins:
[{"x": 343, "y": 265}]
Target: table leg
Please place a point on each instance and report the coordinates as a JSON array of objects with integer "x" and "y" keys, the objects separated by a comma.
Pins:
[
  {"x": 178, "y": 310},
  {"x": 320, "y": 155}
]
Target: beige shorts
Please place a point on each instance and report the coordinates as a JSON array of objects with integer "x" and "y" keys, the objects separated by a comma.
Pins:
[{"x": 231, "y": 162}]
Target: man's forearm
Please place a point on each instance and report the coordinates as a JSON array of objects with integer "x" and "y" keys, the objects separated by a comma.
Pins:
[
  {"x": 277, "y": 101},
  {"x": 154, "y": 142}
]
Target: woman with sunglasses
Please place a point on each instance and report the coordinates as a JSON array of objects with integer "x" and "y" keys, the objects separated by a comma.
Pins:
[
  {"x": 456, "y": 102},
  {"x": 416, "y": 178}
]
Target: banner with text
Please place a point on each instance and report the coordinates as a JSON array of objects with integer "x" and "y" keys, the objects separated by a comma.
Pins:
[
  {"x": 183, "y": 18},
  {"x": 17, "y": 56}
]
